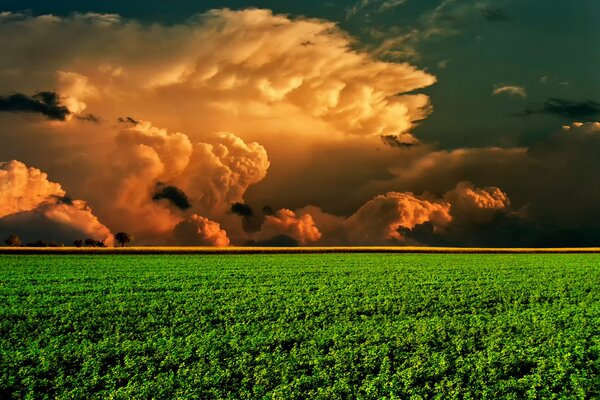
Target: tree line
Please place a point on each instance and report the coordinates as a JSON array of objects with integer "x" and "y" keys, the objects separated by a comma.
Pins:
[{"x": 120, "y": 237}]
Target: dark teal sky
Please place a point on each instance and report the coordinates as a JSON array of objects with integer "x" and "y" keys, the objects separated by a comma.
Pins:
[{"x": 550, "y": 48}]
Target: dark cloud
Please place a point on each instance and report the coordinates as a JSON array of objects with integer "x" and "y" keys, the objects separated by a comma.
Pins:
[
  {"x": 268, "y": 210},
  {"x": 582, "y": 110},
  {"x": 243, "y": 210},
  {"x": 89, "y": 118},
  {"x": 128, "y": 120},
  {"x": 173, "y": 194},
  {"x": 45, "y": 103},
  {"x": 395, "y": 141},
  {"x": 63, "y": 200},
  {"x": 34, "y": 226},
  {"x": 275, "y": 241},
  {"x": 251, "y": 221},
  {"x": 494, "y": 14}
]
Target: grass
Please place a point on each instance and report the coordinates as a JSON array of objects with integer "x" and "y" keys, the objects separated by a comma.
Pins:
[{"x": 300, "y": 326}]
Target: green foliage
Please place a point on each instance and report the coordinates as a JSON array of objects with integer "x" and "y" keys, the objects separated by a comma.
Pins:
[{"x": 369, "y": 326}]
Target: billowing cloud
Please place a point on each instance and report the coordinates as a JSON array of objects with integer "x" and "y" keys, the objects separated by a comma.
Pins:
[
  {"x": 23, "y": 188},
  {"x": 476, "y": 204},
  {"x": 509, "y": 90},
  {"x": 200, "y": 231},
  {"x": 219, "y": 173},
  {"x": 285, "y": 222},
  {"x": 31, "y": 203},
  {"x": 47, "y": 104}
]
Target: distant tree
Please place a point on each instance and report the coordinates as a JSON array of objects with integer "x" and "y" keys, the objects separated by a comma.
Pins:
[
  {"x": 13, "y": 240},
  {"x": 90, "y": 242},
  {"x": 55, "y": 244},
  {"x": 78, "y": 243},
  {"x": 123, "y": 238},
  {"x": 99, "y": 243}
]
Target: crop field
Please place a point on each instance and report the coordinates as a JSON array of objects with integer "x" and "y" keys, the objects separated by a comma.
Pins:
[{"x": 300, "y": 326}]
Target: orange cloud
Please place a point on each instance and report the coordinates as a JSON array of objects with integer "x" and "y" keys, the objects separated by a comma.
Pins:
[
  {"x": 27, "y": 192},
  {"x": 200, "y": 231},
  {"x": 476, "y": 204},
  {"x": 23, "y": 188},
  {"x": 301, "y": 228}
]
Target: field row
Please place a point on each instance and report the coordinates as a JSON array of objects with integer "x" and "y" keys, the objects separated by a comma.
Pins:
[{"x": 300, "y": 326}]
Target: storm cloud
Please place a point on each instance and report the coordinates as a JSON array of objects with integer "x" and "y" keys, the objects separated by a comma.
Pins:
[
  {"x": 568, "y": 109},
  {"x": 47, "y": 104},
  {"x": 172, "y": 194}
]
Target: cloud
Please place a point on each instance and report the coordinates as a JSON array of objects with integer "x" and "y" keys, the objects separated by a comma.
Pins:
[
  {"x": 510, "y": 90},
  {"x": 223, "y": 63},
  {"x": 380, "y": 220},
  {"x": 401, "y": 218},
  {"x": 219, "y": 173},
  {"x": 173, "y": 194},
  {"x": 30, "y": 203},
  {"x": 241, "y": 209},
  {"x": 23, "y": 188},
  {"x": 565, "y": 108},
  {"x": 476, "y": 204},
  {"x": 47, "y": 104},
  {"x": 399, "y": 141},
  {"x": 285, "y": 222},
  {"x": 200, "y": 231}
]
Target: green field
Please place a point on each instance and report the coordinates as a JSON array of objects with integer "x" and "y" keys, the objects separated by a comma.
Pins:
[{"x": 369, "y": 326}]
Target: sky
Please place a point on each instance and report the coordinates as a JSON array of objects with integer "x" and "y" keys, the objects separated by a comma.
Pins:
[{"x": 367, "y": 122}]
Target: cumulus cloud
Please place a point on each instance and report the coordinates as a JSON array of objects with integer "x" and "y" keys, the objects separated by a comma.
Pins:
[
  {"x": 219, "y": 173},
  {"x": 29, "y": 202},
  {"x": 229, "y": 62},
  {"x": 476, "y": 204},
  {"x": 200, "y": 231},
  {"x": 509, "y": 90},
  {"x": 23, "y": 188},
  {"x": 301, "y": 228},
  {"x": 47, "y": 104}
]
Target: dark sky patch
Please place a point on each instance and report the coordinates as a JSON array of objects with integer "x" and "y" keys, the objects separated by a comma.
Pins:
[
  {"x": 569, "y": 109},
  {"x": 172, "y": 194},
  {"x": 275, "y": 241},
  {"x": 44, "y": 103},
  {"x": 494, "y": 14}
]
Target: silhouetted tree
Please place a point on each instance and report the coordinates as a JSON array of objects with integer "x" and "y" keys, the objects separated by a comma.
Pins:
[
  {"x": 13, "y": 240},
  {"x": 99, "y": 243},
  {"x": 90, "y": 242},
  {"x": 123, "y": 237},
  {"x": 78, "y": 243}
]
